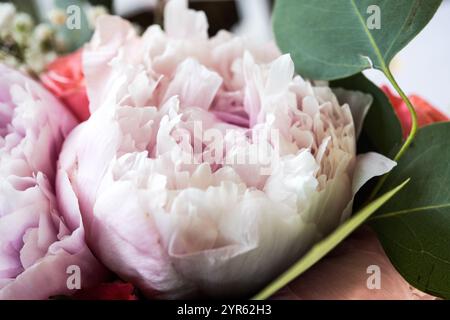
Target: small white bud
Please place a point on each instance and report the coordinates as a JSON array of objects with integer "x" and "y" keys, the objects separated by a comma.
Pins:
[
  {"x": 43, "y": 32},
  {"x": 35, "y": 60},
  {"x": 57, "y": 17},
  {"x": 50, "y": 56},
  {"x": 23, "y": 22},
  {"x": 20, "y": 37},
  {"x": 7, "y": 13}
]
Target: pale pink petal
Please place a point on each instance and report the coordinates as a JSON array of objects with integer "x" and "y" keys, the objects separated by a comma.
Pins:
[
  {"x": 48, "y": 277},
  {"x": 195, "y": 85},
  {"x": 110, "y": 36},
  {"x": 35, "y": 246},
  {"x": 180, "y": 22}
]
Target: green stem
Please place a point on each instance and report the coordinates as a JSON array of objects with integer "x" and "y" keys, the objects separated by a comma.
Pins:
[{"x": 412, "y": 133}]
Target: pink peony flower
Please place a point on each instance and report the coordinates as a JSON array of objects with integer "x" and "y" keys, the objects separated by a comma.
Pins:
[
  {"x": 168, "y": 173},
  {"x": 37, "y": 244}
]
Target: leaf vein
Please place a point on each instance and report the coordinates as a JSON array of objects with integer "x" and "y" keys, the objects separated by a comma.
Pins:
[{"x": 411, "y": 210}]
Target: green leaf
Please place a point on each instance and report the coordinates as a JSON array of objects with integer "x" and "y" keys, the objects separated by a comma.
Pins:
[
  {"x": 331, "y": 39},
  {"x": 415, "y": 229},
  {"x": 381, "y": 130},
  {"x": 319, "y": 250}
]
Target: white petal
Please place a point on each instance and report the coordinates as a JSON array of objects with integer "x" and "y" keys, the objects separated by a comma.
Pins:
[{"x": 181, "y": 22}]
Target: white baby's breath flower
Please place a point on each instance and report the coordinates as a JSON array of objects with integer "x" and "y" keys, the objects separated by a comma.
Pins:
[
  {"x": 9, "y": 60},
  {"x": 22, "y": 27},
  {"x": 43, "y": 32},
  {"x": 57, "y": 17},
  {"x": 23, "y": 22},
  {"x": 7, "y": 12},
  {"x": 23, "y": 45},
  {"x": 35, "y": 59},
  {"x": 19, "y": 38}
]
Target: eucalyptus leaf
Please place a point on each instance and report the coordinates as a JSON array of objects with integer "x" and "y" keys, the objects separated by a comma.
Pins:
[
  {"x": 381, "y": 130},
  {"x": 331, "y": 39},
  {"x": 319, "y": 250},
  {"x": 415, "y": 229}
]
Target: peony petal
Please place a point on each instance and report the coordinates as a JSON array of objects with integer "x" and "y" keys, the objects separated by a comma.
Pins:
[
  {"x": 110, "y": 35},
  {"x": 195, "y": 85},
  {"x": 180, "y": 22},
  {"x": 35, "y": 245},
  {"x": 359, "y": 104},
  {"x": 48, "y": 277},
  {"x": 370, "y": 165},
  {"x": 138, "y": 252}
]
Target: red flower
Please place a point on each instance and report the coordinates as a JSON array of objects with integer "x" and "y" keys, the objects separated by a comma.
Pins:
[
  {"x": 108, "y": 291},
  {"x": 426, "y": 113},
  {"x": 64, "y": 78}
]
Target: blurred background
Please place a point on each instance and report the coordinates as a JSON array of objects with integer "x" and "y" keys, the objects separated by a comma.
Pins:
[{"x": 422, "y": 68}]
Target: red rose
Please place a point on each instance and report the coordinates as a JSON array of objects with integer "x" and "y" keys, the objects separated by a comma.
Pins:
[
  {"x": 64, "y": 78},
  {"x": 108, "y": 291},
  {"x": 426, "y": 113}
]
